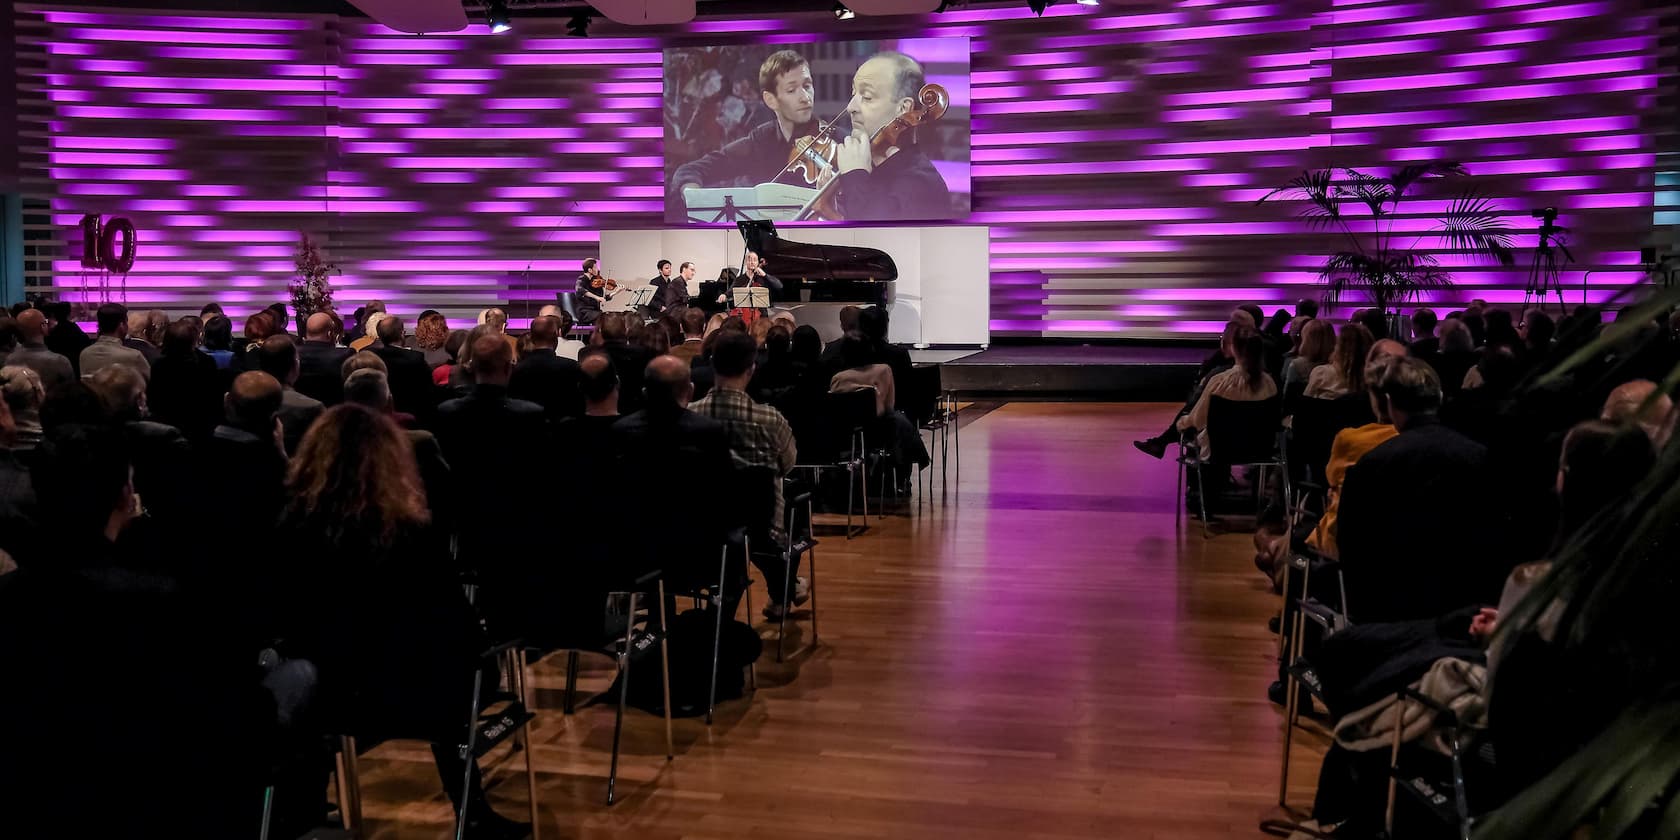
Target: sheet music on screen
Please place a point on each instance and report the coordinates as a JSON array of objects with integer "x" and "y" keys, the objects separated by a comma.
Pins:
[{"x": 729, "y": 139}]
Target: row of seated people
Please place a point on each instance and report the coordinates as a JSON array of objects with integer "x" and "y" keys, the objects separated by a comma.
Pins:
[
  {"x": 336, "y": 536},
  {"x": 1473, "y": 537}
]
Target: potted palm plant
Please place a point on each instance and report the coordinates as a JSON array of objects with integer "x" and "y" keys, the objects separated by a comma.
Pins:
[{"x": 1379, "y": 264}]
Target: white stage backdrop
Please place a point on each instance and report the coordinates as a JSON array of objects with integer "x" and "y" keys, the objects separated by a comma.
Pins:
[{"x": 941, "y": 297}]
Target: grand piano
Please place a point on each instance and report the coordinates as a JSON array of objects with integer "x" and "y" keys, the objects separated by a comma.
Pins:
[{"x": 821, "y": 273}]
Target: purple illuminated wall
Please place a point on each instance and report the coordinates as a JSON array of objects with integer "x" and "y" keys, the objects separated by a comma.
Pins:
[{"x": 1116, "y": 156}]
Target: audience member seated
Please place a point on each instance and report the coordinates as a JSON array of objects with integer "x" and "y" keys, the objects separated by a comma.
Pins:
[
  {"x": 1318, "y": 340},
  {"x": 249, "y": 448},
  {"x": 82, "y": 617},
  {"x": 156, "y": 450},
  {"x": 1424, "y": 342},
  {"x": 1345, "y": 374},
  {"x": 694, "y": 332},
  {"x": 393, "y": 637},
  {"x": 369, "y": 332},
  {"x": 21, "y": 390},
  {"x": 1247, "y": 382},
  {"x": 612, "y": 334},
  {"x": 583, "y": 439},
  {"x": 278, "y": 357},
  {"x": 775, "y": 375},
  {"x": 186, "y": 389},
  {"x": 410, "y": 379},
  {"x": 666, "y": 438},
  {"x": 546, "y": 378},
  {"x": 758, "y": 437},
  {"x": 370, "y": 389},
  {"x": 319, "y": 359},
  {"x": 64, "y": 336},
  {"x": 431, "y": 333},
  {"x": 139, "y": 336},
  {"x": 1217, "y": 362},
  {"x": 108, "y": 348},
  {"x": 486, "y": 436},
  {"x": 32, "y": 352},
  {"x": 1408, "y": 536},
  {"x": 1640, "y": 404},
  {"x": 218, "y": 341}
]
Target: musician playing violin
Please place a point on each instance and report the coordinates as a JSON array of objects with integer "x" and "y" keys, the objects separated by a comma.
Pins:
[
  {"x": 785, "y": 84},
  {"x": 898, "y": 182},
  {"x": 593, "y": 291}
]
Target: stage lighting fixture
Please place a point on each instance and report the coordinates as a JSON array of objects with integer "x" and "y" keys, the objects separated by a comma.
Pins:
[
  {"x": 1090, "y": 2},
  {"x": 1038, "y": 6},
  {"x": 843, "y": 13},
  {"x": 496, "y": 11},
  {"x": 578, "y": 26}
]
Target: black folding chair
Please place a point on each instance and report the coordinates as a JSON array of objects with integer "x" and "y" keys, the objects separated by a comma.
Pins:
[
  {"x": 831, "y": 438},
  {"x": 800, "y": 541},
  {"x": 1241, "y": 433}
]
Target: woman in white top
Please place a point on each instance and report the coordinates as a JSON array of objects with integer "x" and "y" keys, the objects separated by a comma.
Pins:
[{"x": 1246, "y": 382}]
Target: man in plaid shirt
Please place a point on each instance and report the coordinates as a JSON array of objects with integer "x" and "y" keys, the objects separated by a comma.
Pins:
[{"x": 758, "y": 437}]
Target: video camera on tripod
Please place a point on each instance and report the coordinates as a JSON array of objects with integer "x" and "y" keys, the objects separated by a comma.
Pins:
[{"x": 1544, "y": 270}]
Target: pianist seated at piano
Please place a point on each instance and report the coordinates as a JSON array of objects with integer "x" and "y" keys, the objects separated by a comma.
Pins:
[{"x": 898, "y": 182}]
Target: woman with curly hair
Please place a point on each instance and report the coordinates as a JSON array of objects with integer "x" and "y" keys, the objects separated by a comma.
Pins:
[
  {"x": 431, "y": 332},
  {"x": 372, "y": 599}
]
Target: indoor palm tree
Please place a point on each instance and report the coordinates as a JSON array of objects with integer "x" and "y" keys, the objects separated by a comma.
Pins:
[{"x": 1385, "y": 270}]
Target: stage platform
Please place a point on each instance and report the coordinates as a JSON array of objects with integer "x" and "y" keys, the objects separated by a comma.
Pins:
[{"x": 1090, "y": 372}]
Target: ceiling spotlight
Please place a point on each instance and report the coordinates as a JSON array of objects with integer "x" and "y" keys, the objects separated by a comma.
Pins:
[
  {"x": 496, "y": 11},
  {"x": 843, "y": 13},
  {"x": 578, "y": 26},
  {"x": 1089, "y": 2},
  {"x": 1038, "y": 6}
]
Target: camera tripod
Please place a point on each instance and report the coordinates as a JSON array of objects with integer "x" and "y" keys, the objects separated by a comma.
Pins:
[{"x": 1545, "y": 269}]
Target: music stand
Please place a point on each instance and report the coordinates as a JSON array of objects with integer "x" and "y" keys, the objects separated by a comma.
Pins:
[
  {"x": 732, "y": 204},
  {"x": 642, "y": 296},
  {"x": 749, "y": 297}
]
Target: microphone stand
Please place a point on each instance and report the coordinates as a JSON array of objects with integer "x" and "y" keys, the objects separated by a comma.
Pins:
[{"x": 526, "y": 277}]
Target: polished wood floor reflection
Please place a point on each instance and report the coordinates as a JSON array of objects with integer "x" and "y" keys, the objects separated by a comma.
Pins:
[{"x": 1044, "y": 654}]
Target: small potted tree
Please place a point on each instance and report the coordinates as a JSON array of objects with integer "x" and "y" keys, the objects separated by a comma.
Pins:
[{"x": 311, "y": 290}]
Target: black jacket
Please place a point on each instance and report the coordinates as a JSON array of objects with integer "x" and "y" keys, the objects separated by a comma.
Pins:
[
  {"x": 321, "y": 371},
  {"x": 682, "y": 444},
  {"x": 411, "y": 380},
  {"x": 186, "y": 392},
  {"x": 630, "y": 361},
  {"x": 904, "y": 186},
  {"x": 489, "y": 440},
  {"x": 1412, "y": 542},
  {"x": 549, "y": 381}
]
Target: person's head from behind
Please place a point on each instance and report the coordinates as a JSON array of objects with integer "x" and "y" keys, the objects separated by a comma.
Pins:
[
  {"x": 667, "y": 385},
  {"x": 431, "y": 331},
  {"x": 112, "y": 320},
  {"x": 734, "y": 323},
  {"x": 253, "y": 402},
  {"x": 1638, "y": 403},
  {"x": 1537, "y": 330},
  {"x": 693, "y": 323},
  {"x": 495, "y": 317},
  {"x": 180, "y": 340},
  {"x": 218, "y": 333},
  {"x": 849, "y": 318},
  {"x": 318, "y": 327},
  {"x": 20, "y": 388},
  {"x": 713, "y": 324},
  {"x": 454, "y": 343},
  {"x": 612, "y": 328},
  {"x": 1500, "y": 367},
  {"x": 1375, "y": 322},
  {"x": 138, "y": 323},
  {"x": 598, "y": 381},
  {"x": 1255, "y": 314},
  {"x": 760, "y": 330},
  {"x": 156, "y": 322},
  {"x": 83, "y": 482},
  {"x": 1307, "y": 307},
  {"x": 1600, "y": 463},
  {"x": 390, "y": 331},
  {"x": 1248, "y": 351},
  {"x": 785, "y": 85},
  {"x": 733, "y": 357},
  {"x": 873, "y": 323},
  {"x": 778, "y": 341},
  {"x": 1423, "y": 323},
  {"x": 470, "y": 343},
  {"x": 1385, "y": 347},
  {"x": 492, "y": 360},
  {"x": 1456, "y": 337},
  {"x": 354, "y": 479},
  {"x": 368, "y": 388},
  {"x": 1404, "y": 389},
  {"x": 363, "y": 360},
  {"x": 1353, "y": 344},
  {"x": 123, "y": 391},
  {"x": 1318, "y": 340},
  {"x": 545, "y": 333},
  {"x": 277, "y": 356},
  {"x": 31, "y": 326}
]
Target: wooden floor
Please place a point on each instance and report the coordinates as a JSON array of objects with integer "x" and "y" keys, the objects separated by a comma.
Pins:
[{"x": 1045, "y": 654}]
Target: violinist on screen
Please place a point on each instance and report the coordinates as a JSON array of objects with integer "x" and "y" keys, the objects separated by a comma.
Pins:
[
  {"x": 593, "y": 291},
  {"x": 784, "y": 81},
  {"x": 897, "y": 182}
]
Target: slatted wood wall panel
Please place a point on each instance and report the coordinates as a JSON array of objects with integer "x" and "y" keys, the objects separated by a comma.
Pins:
[{"x": 1117, "y": 155}]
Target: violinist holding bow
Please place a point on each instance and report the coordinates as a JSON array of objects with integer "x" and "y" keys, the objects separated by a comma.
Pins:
[
  {"x": 897, "y": 182},
  {"x": 593, "y": 291}
]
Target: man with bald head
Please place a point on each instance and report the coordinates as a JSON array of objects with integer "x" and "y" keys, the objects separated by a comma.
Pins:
[
  {"x": 32, "y": 352},
  {"x": 139, "y": 335},
  {"x": 247, "y": 449},
  {"x": 490, "y": 440},
  {"x": 410, "y": 377},
  {"x": 666, "y": 438},
  {"x": 547, "y": 379},
  {"x": 320, "y": 359}
]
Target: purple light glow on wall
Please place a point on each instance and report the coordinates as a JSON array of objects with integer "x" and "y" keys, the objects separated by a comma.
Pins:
[{"x": 1117, "y": 155}]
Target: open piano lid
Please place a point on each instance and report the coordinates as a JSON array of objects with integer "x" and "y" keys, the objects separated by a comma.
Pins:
[{"x": 814, "y": 263}]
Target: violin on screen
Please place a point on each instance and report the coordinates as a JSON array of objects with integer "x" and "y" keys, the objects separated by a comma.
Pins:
[{"x": 816, "y": 160}]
